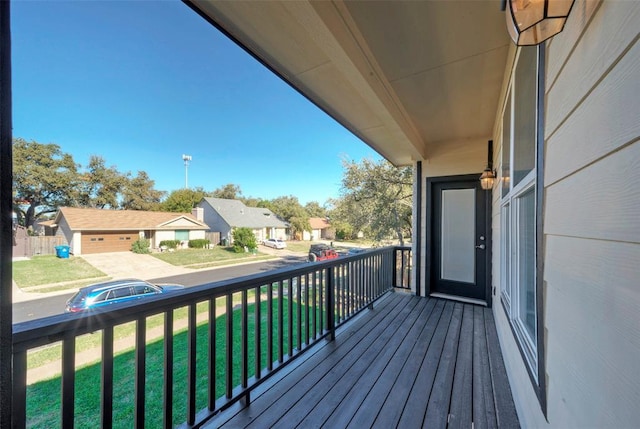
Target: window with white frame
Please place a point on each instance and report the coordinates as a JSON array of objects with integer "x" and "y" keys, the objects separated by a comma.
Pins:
[{"x": 518, "y": 205}]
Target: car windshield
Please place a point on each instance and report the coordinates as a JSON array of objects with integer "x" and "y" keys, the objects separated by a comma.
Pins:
[{"x": 79, "y": 298}]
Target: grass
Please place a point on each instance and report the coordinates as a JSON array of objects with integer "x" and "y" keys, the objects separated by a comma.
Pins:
[
  {"x": 43, "y": 398},
  {"x": 202, "y": 258},
  {"x": 47, "y": 269},
  {"x": 45, "y": 355}
]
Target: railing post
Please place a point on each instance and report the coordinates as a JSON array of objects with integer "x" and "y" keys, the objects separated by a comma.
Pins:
[
  {"x": 331, "y": 300},
  {"x": 19, "y": 391}
]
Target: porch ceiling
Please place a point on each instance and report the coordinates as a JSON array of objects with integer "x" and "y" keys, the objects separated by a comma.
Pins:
[{"x": 401, "y": 75}]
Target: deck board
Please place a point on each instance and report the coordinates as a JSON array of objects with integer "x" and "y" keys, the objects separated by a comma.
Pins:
[{"x": 408, "y": 362}]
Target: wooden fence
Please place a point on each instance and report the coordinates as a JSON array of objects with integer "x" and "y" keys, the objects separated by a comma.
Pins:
[
  {"x": 213, "y": 237},
  {"x": 25, "y": 245}
]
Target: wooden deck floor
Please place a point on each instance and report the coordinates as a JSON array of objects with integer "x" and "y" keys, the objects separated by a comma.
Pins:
[{"x": 410, "y": 362}]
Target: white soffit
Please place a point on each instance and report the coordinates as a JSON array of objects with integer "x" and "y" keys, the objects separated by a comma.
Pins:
[{"x": 401, "y": 75}]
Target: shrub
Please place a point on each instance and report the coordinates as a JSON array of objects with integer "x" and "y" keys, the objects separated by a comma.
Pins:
[
  {"x": 141, "y": 245},
  {"x": 170, "y": 244},
  {"x": 199, "y": 243},
  {"x": 243, "y": 237}
]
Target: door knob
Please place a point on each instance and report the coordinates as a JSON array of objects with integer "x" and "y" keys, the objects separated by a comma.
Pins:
[{"x": 481, "y": 247}]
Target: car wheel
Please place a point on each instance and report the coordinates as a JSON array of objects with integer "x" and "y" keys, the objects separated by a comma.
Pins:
[{"x": 312, "y": 257}]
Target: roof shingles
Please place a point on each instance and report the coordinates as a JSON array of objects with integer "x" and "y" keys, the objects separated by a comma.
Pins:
[
  {"x": 236, "y": 214},
  {"x": 84, "y": 219}
]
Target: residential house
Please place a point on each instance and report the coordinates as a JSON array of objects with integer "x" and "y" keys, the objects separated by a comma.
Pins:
[
  {"x": 223, "y": 215},
  {"x": 89, "y": 230},
  {"x": 320, "y": 229}
]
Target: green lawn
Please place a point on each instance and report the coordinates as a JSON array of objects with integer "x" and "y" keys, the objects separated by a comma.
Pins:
[
  {"x": 47, "y": 269},
  {"x": 43, "y": 398},
  {"x": 202, "y": 258}
]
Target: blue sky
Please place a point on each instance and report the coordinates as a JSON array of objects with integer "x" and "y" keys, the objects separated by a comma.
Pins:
[{"x": 143, "y": 82}]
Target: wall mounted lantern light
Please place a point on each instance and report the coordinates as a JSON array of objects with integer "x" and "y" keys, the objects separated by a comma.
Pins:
[
  {"x": 488, "y": 177},
  {"x": 531, "y": 22}
]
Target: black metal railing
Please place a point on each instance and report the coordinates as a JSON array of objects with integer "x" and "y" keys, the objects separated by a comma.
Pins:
[
  {"x": 404, "y": 267},
  {"x": 236, "y": 334}
]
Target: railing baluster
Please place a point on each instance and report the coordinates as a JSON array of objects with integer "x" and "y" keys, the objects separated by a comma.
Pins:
[
  {"x": 331, "y": 322},
  {"x": 290, "y": 318},
  {"x": 192, "y": 353},
  {"x": 280, "y": 323},
  {"x": 258, "y": 335},
  {"x": 141, "y": 358},
  {"x": 212, "y": 354},
  {"x": 244, "y": 341},
  {"x": 68, "y": 380},
  {"x": 306, "y": 308},
  {"x": 168, "y": 369},
  {"x": 314, "y": 287},
  {"x": 321, "y": 301},
  {"x": 270, "y": 326},
  {"x": 299, "y": 312},
  {"x": 351, "y": 302},
  {"x": 229, "y": 348},
  {"x": 106, "y": 396},
  {"x": 343, "y": 297}
]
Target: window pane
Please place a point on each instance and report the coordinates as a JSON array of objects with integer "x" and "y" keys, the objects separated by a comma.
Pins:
[
  {"x": 182, "y": 235},
  {"x": 506, "y": 147},
  {"x": 458, "y": 235},
  {"x": 506, "y": 252},
  {"x": 527, "y": 261},
  {"x": 524, "y": 114}
]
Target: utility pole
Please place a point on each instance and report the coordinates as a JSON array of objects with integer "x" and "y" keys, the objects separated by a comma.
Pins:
[{"x": 186, "y": 159}]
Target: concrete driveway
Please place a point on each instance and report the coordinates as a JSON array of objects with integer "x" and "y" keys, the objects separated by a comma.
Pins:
[{"x": 129, "y": 264}]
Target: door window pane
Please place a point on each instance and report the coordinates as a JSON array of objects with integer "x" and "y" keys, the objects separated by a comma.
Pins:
[{"x": 458, "y": 254}]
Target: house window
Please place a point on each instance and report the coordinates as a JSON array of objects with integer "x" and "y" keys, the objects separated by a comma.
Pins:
[
  {"x": 182, "y": 235},
  {"x": 518, "y": 206}
]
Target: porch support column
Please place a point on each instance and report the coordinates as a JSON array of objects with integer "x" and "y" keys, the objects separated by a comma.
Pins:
[
  {"x": 6, "y": 222},
  {"x": 417, "y": 234}
]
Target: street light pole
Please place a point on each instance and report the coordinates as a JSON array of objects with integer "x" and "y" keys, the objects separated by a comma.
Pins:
[{"x": 186, "y": 159}]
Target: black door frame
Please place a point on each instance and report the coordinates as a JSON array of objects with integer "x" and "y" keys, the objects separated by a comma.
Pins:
[{"x": 430, "y": 242}]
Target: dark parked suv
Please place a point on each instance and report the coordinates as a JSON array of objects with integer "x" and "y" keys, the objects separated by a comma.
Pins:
[{"x": 114, "y": 292}]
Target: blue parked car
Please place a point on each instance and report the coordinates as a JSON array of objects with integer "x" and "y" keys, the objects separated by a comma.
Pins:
[{"x": 101, "y": 295}]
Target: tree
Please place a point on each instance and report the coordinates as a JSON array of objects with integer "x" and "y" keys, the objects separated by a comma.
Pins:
[
  {"x": 290, "y": 210},
  {"x": 243, "y": 237},
  {"x": 99, "y": 186},
  {"x": 43, "y": 179},
  {"x": 228, "y": 191},
  {"x": 376, "y": 198},
  {"x": 138, "y": 193},
  {"x": 314, "y": 209},
  {"x": 183, "y": 200}
]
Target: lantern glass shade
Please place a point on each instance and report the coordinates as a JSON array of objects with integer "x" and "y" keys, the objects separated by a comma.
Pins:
[
  {"x": 487, "y": 179},
  {"x": 531, "y": 22}
]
